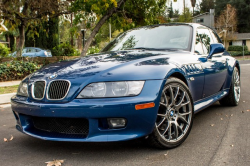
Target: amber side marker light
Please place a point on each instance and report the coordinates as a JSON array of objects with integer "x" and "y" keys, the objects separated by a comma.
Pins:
[{"x": 144, "y": 106}]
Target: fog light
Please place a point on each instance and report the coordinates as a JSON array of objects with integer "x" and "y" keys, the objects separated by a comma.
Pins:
[{"x": 117, "y": 122}]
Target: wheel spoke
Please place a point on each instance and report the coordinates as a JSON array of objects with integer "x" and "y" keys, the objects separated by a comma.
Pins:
[
  {"x": 163, "y": 104},
  {"x": 184, "y": 114},
  {"x": 183, "y": 119},
  {"x": 161, "y": 122},
  {"x": 180, "y": 128},
  {"x": 183, "y": 104},
  {"x": 176, "y": 94},
  {"x": 166, "y": 99},
  {"x": 169, "y": 131},
  {"x": 176, "y": 131},
  {"x": 171, "y": 96},
  {"x": 165, "y": 130},
  {"x": 182, "y": 98},
  {"x": 161, "y": 115}
]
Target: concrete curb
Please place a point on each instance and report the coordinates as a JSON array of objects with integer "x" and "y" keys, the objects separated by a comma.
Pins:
[{"x": 5, "y": 98}]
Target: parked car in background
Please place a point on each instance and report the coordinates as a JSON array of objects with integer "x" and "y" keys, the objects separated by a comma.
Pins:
[
  {"x": 33, "y": 52},
  {"x": 148, "y": 82}
]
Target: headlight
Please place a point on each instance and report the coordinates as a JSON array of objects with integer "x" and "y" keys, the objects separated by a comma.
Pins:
[
  {"x": 23, "y": 89},
  {"x": 112, "y": 89}
]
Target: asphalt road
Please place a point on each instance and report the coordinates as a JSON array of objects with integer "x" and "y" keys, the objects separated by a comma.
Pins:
[{"x": 220, "y": 136}]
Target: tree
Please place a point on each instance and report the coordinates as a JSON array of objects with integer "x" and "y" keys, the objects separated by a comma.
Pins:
[
  {"x": 220, "y": 6},
  {"x": 176, "y": 13},
  {"x": 22, "y": 13},
  {"x": 105, "y": 9},
  {"x": 125, "y": 14},
  {"x": 227, "y": 22},
  {"x": 242, "y": 7},
  {"x": 186, "y": 16},
  {"x": 170, "y": 11},
  {"x": 193, "y": 3},
  {"x": 53, "y": 34},
  {"x": 206, "y": 5}
]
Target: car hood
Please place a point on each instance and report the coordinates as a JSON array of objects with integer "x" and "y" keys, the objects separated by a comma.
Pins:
[
  {"x": 109, "y": 66},
  {"x": 106, "y": 66}
]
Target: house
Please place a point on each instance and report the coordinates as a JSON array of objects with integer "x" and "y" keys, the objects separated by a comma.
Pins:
[
  {"x": 239, "y": 39},
  {"x": 205, "y": 18}
]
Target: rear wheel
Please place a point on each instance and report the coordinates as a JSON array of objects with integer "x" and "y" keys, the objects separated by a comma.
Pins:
[
  {"x": 233, "y": 97},
  {"x": 174, "y": 117}
]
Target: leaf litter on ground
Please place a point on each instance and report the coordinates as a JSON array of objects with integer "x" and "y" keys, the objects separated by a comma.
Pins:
[
  {"x": 6, "y": 140},
  {"x": 54, "y": 163}
]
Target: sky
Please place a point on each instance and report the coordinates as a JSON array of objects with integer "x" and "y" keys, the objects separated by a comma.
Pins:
[{"x": 179, "y": 4}]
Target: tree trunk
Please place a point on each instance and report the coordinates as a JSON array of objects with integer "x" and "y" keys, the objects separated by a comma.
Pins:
[
  {"x": 109, "y": 13},
  {"x": 21, "y": 40}
]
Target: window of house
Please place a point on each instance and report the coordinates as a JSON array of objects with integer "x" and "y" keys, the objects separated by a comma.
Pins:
[
  {"x": 244, "y": 42},
  {"x": 200, "y": 20},
  {"x": 230, "y": 43}
]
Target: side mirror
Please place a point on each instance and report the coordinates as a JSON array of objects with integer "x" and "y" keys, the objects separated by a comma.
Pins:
[{"x": 215, "y": 49}]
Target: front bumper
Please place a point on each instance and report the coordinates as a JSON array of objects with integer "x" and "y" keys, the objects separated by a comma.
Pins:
[{"x": 96, "y": 111}]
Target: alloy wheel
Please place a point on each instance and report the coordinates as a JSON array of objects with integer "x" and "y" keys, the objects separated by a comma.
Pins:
[
  {"x": 175, "y": 113},
  {"x": 236, "y": 86}
]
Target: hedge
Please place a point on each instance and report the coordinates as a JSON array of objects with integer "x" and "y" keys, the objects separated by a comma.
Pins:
[
  {"x": 239, "y": 53},
  {"x": 16, "y": 70},
  {"x": 65, "y": 49},
  {"x": 237, "y": 48}
]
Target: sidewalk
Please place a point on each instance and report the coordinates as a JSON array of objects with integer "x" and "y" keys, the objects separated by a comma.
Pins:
[
  {"x": 5, "y": 98},
  {"x": 10, "y": 83}
]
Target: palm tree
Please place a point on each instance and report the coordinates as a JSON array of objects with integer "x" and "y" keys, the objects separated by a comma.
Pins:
[{"x": 193, "y": 2}]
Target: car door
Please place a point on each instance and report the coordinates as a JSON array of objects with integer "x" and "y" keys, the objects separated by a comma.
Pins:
[{"x": 214, "y": 67}]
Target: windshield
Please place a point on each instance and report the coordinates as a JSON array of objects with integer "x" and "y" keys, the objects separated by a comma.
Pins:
[{"x": 177, "y": 37}]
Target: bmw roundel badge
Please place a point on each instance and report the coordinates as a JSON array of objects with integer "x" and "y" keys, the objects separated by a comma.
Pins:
[{"x": 53, "y": 76}]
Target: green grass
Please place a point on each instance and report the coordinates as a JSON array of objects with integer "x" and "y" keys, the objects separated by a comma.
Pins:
[{"x": 8, "y": 89}]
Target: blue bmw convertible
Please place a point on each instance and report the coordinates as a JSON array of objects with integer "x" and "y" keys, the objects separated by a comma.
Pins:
[{"x": 147, "y": 83}]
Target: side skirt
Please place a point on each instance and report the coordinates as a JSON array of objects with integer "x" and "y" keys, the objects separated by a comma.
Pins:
[{"x": 204, "y": 103}]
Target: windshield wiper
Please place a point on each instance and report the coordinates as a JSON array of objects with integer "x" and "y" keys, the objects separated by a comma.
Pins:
[
  {"x": 140, "y": 48},
  {"x": 146, "y": 48}
]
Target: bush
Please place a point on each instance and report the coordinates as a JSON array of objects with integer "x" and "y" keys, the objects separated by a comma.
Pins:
[
  {"x": 237, "y": 48},
  {"x": 16, "y": 70},
  {"x": 93, "y": 50},
  {"x": 65, "y": 49},
  {"x": 4, "y": 50},
  {"x": 239, "y": 53}
]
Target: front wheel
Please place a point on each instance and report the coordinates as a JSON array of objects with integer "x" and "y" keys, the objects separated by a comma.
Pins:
[
  {"x": 233, "y": 97},
  {"x": 174, "y": 117}
]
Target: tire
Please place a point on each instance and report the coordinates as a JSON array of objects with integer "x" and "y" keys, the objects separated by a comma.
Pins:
[
  {"x": 175, "y": 116},
  {"x": 233, "y": 97}
]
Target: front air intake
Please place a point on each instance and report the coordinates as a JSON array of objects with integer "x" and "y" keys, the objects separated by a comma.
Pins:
[
  {"x": 58, "y": 89},
  {"x": 38, "y": 90}
]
